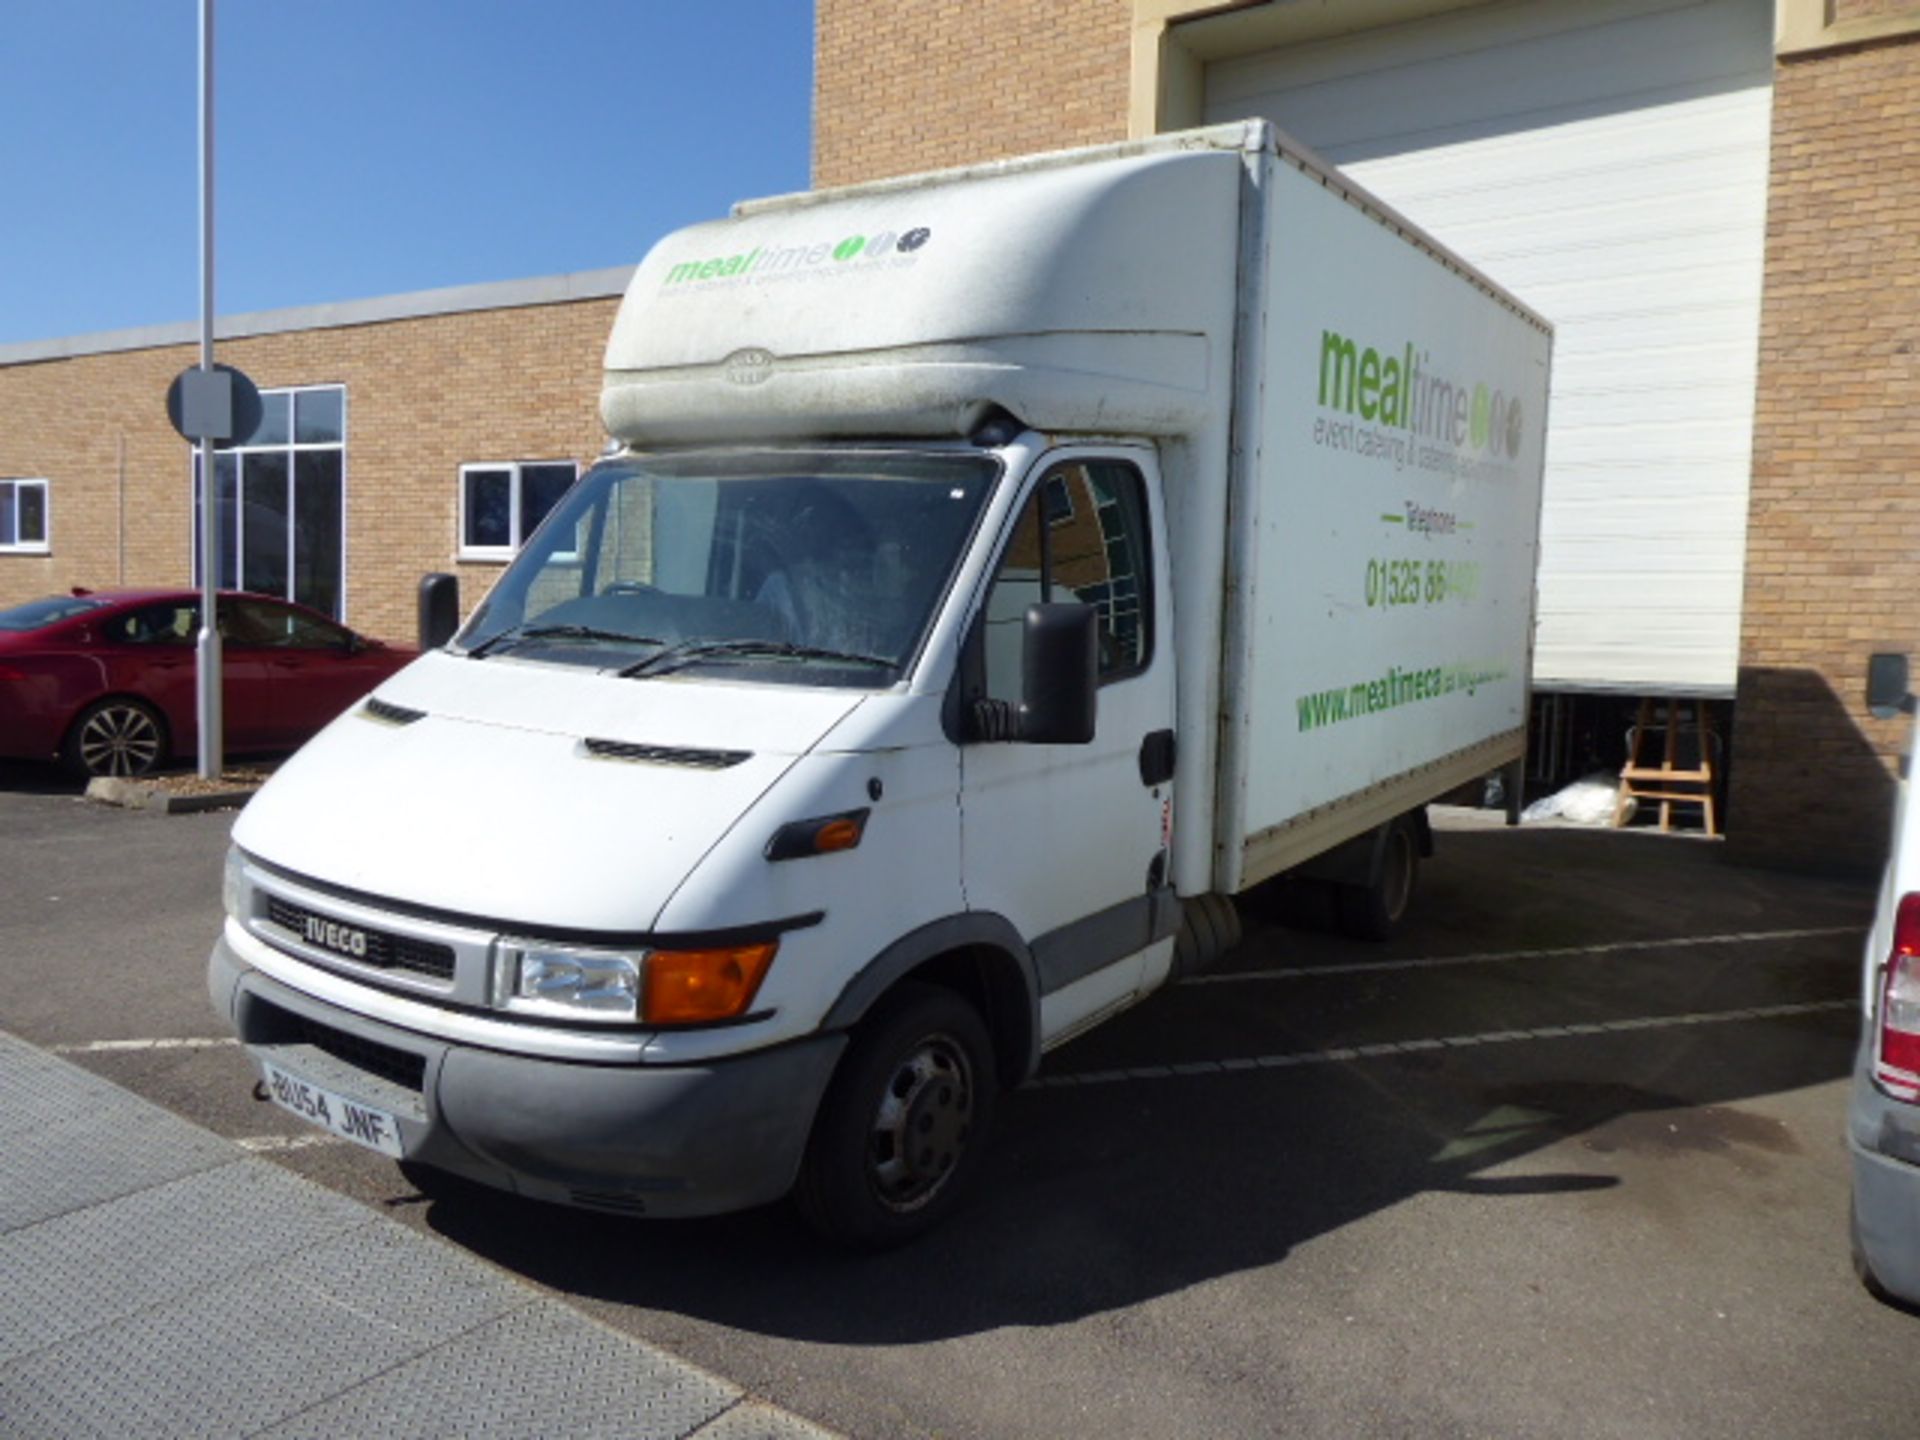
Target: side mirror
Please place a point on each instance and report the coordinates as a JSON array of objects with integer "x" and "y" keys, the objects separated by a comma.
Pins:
[
  {"x": 439, "y": 609},
  {"x": 1887, "y": 693},
  {"x": 1059, "y": 675}
]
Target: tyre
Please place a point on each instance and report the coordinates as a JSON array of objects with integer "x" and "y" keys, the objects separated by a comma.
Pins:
[
  {"x": 1374, "y": 912},
  {"x": 118, "y": 736},
  {"x": 1209, "y": 928},
  {"x": 901, "y": 1130}
]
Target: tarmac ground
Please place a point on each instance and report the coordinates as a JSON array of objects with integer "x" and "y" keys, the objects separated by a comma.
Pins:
[{"x": 1565, "y": 1157}]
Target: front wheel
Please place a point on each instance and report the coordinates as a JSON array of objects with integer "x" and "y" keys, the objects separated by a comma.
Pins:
[
  {"x": 118, "y": 736},
  {"x": 900, "y": 1132}
]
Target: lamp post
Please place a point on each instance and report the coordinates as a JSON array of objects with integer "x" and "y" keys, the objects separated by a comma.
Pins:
[
  {"x": 209, "y": 404},
  {"x": 207, "y": 649}
]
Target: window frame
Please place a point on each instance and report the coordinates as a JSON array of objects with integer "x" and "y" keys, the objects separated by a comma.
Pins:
[
  {"x": 44, "y": 545},
  {"x": 1145, "y": 582},
  {"x": 501, "y": 554},
  {"x": 291, "y": 447}
]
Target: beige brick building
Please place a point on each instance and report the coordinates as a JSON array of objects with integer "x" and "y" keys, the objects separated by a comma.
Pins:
[
  {"x": 490, "y": 375},
  {"x": 1832, "y": 498},
  {"x": 1834, "y": 527},
  {"x": 1762, "y": 502}
]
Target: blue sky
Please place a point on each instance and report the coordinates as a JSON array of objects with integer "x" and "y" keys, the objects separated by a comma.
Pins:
[{"x": 370, "y": 147}]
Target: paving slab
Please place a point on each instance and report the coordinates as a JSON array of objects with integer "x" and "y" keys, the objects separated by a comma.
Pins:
[{"x": 162, "y": 1282}]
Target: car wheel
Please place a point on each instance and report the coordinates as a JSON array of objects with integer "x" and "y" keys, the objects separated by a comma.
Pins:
[
  {"x": 1374, "y": 912},
  {"x": 120, "y": 736},
  {"x": 900, "y": 1132}
]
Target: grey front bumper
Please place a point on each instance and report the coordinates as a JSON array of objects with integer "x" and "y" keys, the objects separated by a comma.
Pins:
[{"x": 636, "y": 1139}]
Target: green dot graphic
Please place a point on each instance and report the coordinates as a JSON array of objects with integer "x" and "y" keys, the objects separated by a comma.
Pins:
[{"x": 849, "y": 247}]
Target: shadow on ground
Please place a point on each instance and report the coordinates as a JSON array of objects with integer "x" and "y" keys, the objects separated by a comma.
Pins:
[
  {"x": 1102, "y": 1195},
  {"x": 24, "y": 778}
]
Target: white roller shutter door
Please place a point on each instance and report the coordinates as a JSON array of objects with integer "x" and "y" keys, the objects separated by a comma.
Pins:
[{"x": 1608, "y": 163}]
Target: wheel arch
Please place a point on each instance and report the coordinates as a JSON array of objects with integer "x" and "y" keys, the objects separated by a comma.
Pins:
[{"x": 978, "y": 955}]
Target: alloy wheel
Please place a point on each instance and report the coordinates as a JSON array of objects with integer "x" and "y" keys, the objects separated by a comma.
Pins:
[{"x": 119, "y": 740}]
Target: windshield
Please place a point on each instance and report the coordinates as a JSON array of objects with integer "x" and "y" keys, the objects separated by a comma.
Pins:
[
  {"x": 813, "y": 568},
  {"x": 36, "y": 614}
]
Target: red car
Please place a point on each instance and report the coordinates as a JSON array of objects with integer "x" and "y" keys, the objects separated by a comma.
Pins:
[{"x": 105, "y": 681}]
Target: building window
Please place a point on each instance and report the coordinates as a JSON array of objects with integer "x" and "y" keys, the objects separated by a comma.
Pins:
[
  {"x": 24, "y": 527},
  {"x": 502, "y": 503},
  {"x": 1094, "y": 549},
  {"x": 281, "y": 498}
]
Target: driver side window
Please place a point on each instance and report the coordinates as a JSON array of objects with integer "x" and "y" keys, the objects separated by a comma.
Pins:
[
  {"x": 1083, "y": 536},
  {"x": 260, "y": 622}
]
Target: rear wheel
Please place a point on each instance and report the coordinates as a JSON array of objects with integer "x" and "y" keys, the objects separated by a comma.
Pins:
[
  {"x": 1209, "y": 928},
  {"x": 1374, "y": 911},
  {"x": 900, "y": 1132},
  {"x": 118, "y": 736}
]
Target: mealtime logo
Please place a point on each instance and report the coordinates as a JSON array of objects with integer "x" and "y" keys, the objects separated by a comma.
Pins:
[
  {"x": 889, "y": 249},
  {"x": 1406, "y": 410}
]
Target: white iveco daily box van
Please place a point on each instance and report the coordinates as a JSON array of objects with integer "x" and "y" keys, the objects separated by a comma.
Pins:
[{"x": 1000, "y": 570}]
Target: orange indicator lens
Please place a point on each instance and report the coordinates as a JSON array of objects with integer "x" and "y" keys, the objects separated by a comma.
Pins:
[
  {"x": 698, "y": 987},
  {"x": 841, "y": 834}
]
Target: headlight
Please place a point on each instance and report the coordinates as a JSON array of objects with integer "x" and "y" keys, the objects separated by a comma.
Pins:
[
  {"x": 654, "y": 987},
  {"x": 233, "y": 884},
  {"x": 568, "y": 983}
]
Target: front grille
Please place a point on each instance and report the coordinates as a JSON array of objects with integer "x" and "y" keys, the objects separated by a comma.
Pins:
[
  {"x": 384, "y": 951},
  {"x": 405, "y": 1070},
  {"x": 668, "y": 755}
]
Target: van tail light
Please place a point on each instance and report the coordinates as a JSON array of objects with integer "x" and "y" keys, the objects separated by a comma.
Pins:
[{"x": 1897, "y": 1064}]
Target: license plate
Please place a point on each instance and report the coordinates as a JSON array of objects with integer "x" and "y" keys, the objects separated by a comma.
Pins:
[{"x": 349, "y": 1119}]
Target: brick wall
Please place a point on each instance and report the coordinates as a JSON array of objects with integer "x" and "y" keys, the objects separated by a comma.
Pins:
[
  {"x": 1834, "y": 520},
  {"x": 907, "y": 85},
  {"x": 1846, "y": 10},
  {"x": 423, "y": 396}
]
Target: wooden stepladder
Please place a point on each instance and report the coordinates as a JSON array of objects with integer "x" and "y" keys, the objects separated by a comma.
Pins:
[{"x": 1669, "y": 782}]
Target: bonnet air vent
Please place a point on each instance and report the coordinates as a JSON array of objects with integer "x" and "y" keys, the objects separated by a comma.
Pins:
[
  {"x": 667, "y": 755},
  {"x": 392, "y": 714}
]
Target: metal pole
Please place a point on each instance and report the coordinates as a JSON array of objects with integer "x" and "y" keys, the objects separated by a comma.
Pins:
[{"x": 207, "y": 651}]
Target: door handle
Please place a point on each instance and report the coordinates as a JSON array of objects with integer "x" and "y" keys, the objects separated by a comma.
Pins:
[{"x": 1156, "y": 758}]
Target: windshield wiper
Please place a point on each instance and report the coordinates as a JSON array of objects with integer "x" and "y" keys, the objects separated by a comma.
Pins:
[
  {"x": 516, "y": 633},
  {"x": 672, "y": 657}
]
